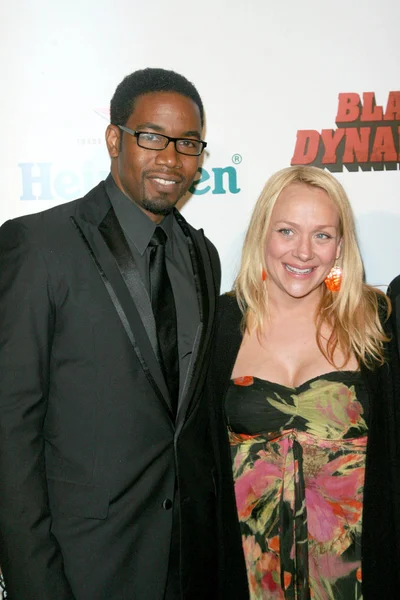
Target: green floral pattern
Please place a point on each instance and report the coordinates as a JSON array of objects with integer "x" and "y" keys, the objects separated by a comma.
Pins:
[{"x": 299, "y": 488}]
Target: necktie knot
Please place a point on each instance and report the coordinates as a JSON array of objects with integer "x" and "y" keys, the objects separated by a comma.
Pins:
[{"x": 158, "y": 238}]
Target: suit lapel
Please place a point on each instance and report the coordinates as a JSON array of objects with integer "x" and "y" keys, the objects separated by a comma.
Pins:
[
  {"x": 206, "y": 295},
  {"x": 104, "y": 240},
  {"x": 113, "y": 235}
]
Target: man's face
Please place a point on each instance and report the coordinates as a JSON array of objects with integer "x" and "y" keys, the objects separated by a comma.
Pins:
[{"x": 155, "y": 179}]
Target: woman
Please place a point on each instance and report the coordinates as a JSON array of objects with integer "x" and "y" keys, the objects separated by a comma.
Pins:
[{"x": 302, "y": 365}]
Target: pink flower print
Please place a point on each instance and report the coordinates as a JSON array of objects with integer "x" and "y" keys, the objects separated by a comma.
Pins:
[
  {"x": 270, "y": 582},
  {"x": 251, "y": 549},
  {"x": 354, "y": 411},
  {"x": 334, "y": 503},
  {"x": 254, "y": 483}
]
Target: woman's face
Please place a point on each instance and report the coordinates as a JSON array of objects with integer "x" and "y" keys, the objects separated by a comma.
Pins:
[{"x": 302, "y": 242}]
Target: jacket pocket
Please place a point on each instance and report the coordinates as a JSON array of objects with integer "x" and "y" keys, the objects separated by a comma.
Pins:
[{"x": 75, "y": 499}]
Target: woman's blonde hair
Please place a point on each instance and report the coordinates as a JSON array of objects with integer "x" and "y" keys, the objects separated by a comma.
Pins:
[{"x": 353, "y": 313}]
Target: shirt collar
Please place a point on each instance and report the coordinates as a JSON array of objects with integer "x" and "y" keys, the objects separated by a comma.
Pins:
[{"x": 135, "y": 223}]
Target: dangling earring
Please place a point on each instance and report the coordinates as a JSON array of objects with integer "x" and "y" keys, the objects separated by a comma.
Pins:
[
  {"x": 333, "y": 280},
  {"x": 263, "y": 274}
]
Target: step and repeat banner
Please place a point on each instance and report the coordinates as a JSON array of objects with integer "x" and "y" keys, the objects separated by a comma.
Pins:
[{"x": 282, "y": 82}]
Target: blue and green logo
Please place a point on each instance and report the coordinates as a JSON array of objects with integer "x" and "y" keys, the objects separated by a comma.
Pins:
[{"x": 43, "y": 181}]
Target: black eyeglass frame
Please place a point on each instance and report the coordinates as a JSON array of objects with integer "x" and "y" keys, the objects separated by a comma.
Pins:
[{"x": 168, "y": 140}]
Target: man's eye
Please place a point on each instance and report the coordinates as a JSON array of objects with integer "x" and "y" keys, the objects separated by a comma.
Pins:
[
  {"x": 150, "y": 137},
  {"x": 188, "y": 143}
]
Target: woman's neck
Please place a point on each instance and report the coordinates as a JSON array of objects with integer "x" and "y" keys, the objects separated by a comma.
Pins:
[{"x": 280, "y": 303}]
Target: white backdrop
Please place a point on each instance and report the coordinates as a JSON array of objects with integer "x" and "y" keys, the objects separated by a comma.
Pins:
[{"x": 265, "y": 70}]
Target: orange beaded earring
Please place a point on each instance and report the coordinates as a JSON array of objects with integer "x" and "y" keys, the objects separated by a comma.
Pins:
[
  {"x": 333, "y": 280},
  {"x": 263, "y": 274}
]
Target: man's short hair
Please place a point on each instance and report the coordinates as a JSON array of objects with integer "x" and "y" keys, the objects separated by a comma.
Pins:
[{"x": 146, "y": 81}]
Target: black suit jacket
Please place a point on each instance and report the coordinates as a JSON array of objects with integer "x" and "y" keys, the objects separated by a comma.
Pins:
[
  {"x": 381, "y": 509},
  {"x": 89, "y": 451}
]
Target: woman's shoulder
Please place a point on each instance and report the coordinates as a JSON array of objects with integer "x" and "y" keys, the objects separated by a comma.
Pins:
[
  {"x": 228, "y": 299},
  {"x": 228, "y": 306},
  {"x": 227, "y": 336},
  {"x": 229, "y": 315}
]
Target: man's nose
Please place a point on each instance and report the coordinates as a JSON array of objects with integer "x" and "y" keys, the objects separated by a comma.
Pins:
[{"x": 169, "y": 156}]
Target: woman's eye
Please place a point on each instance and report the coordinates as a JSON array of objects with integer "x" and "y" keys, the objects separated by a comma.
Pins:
[
  {"x": 285, "y": 232},
  {"x": 323, "y": 236}
]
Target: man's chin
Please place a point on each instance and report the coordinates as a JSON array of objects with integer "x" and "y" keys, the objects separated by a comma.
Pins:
[{"x": 160, "y": 206}]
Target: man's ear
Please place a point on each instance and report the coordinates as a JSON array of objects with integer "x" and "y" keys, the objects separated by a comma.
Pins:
[{"x": 113, "y": 140}]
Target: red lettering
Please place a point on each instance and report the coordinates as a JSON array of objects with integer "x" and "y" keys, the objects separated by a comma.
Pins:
[
  {"x": 356, "y": 145},
  {"x": 331, "y": 139},
  {"x": 392, "y": 112},
  {"x": 348, "y": 108},
  {"x": 306, "y": 149},
  {"x": 383, "y": 149},
  {"x": 370, "y": 112}
]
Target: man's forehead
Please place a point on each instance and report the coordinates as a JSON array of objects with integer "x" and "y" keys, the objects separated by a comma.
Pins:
[
  {"x": 161, "y": 108},
  {"x": 162, "y": 98}
]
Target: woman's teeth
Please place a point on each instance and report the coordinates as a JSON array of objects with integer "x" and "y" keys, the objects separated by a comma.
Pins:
[{"x": 298, "y": 271}]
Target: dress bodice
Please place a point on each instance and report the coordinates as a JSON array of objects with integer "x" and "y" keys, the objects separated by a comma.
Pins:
[{"x": 330, "y": 406}]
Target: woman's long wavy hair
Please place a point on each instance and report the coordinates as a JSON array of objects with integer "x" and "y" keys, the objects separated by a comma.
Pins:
[{"x": 354, "y": 313}]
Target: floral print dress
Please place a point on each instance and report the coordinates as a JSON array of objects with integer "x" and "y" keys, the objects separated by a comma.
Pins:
[{"x": 298, "y": 465}]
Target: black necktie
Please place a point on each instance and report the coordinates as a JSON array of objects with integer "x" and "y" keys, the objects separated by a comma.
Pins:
[{"x": 162, "y": 301}]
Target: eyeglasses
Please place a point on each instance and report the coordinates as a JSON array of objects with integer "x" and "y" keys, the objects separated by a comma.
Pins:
[{"x": 156, "y": 141}]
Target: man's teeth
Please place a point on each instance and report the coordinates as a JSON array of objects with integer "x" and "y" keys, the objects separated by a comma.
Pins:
[
  {"x": 298, "y": 271},
  {"x": 164, "y": 181}
]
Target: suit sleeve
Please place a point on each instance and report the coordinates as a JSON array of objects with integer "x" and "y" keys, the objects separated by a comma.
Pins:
[{"x": 29, "y": 554}]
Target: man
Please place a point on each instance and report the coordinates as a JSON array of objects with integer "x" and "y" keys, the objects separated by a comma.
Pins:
[{"x": 107, "y": 487}]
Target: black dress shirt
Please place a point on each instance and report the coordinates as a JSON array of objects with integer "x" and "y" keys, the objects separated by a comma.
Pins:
[{"x": 138, "y": 230}]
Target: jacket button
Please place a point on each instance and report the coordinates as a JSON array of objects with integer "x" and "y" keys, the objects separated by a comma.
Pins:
[{"x": 167, "y": 504}]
